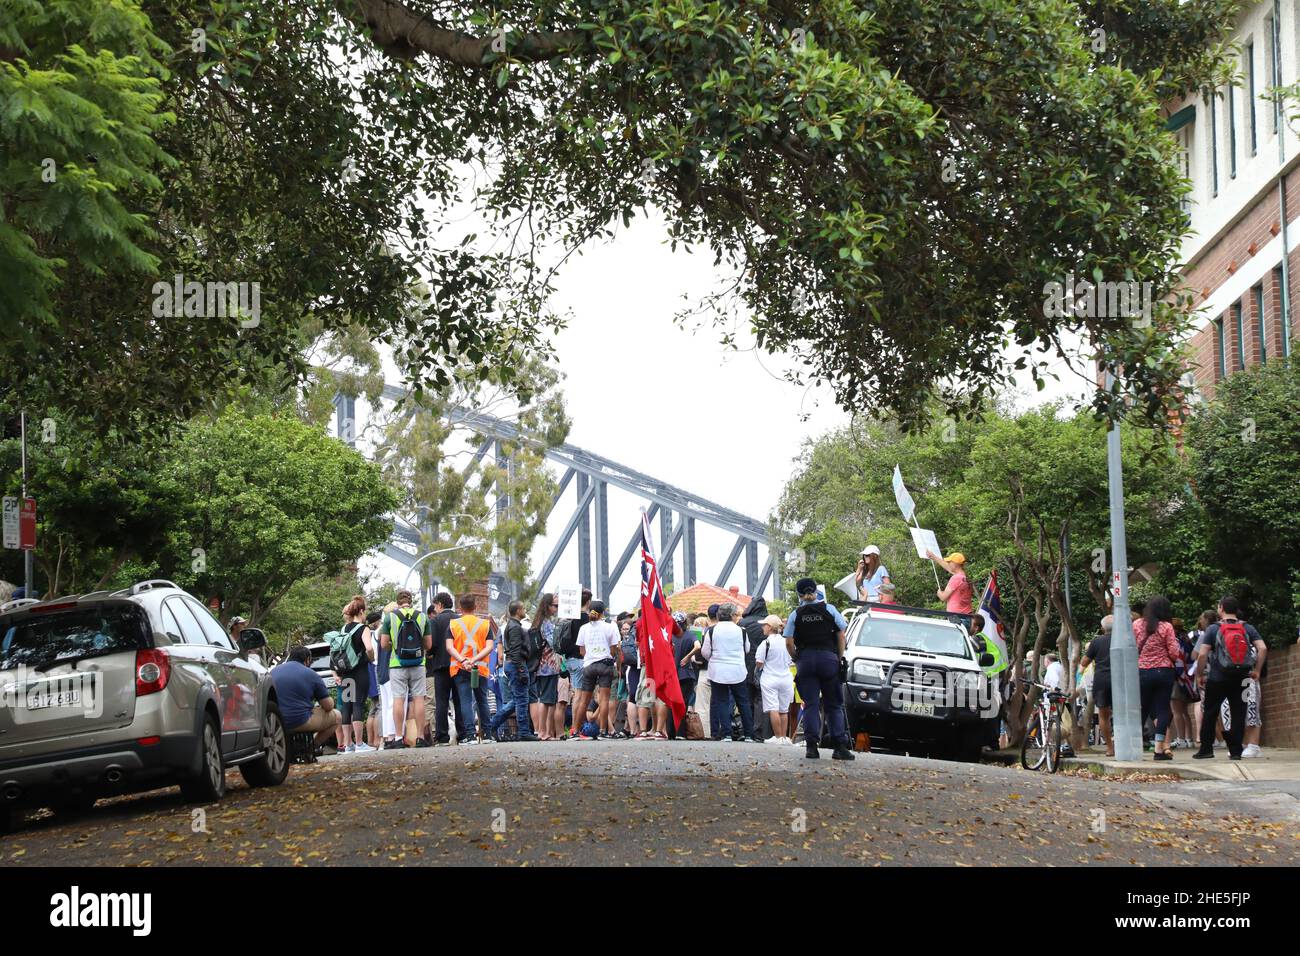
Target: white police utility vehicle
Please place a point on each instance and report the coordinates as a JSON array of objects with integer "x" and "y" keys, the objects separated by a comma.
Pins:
[{"x": 916, "y": 682}]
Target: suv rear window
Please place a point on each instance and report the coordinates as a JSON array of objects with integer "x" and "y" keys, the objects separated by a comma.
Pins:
[
  {"x": 904, "y": 635},
  {"x": 42, "y": 640}
]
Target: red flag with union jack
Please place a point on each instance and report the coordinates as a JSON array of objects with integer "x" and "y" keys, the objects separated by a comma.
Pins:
[{"x": 654, "y": 630}]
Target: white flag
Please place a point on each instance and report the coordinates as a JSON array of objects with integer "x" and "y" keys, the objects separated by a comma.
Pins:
[{"x": 905, "y": 502}]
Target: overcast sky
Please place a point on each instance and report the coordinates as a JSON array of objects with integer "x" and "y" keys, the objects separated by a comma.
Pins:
[{"x": 650, "y": 395}]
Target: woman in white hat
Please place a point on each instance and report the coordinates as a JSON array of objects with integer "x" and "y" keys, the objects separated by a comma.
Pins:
[
  {"x": 871, "y": 574},
  {"x": 775, "y": 680}
]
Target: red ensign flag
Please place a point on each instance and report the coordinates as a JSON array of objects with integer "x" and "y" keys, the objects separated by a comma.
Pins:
[{"x": 654, "y": 631}]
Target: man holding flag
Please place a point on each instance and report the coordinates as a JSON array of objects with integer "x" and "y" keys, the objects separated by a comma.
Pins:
[
  {"x": 994, "y": 641},
  {"x": 654, "y": 632}
]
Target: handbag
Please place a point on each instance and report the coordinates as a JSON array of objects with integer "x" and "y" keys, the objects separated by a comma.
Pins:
[{"x": 693, "y": 727}]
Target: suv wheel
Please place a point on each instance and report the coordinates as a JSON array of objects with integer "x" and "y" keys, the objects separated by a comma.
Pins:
[
  {"x": 209, "y": 784},
  {"x": 270, "y": 769}
]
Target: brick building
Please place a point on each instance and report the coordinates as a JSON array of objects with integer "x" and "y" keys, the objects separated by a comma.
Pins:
[{"x": 1243, "y": 160}]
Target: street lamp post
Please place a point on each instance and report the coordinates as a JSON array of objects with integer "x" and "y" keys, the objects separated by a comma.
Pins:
[
  {"x": 1127, "y": 725},
  {"x": 474, "y": 519},
  {"x": 468, "y": 544}
]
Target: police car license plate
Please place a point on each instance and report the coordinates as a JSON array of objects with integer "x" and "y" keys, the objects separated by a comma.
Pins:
[{"x": 918, "y": 708}]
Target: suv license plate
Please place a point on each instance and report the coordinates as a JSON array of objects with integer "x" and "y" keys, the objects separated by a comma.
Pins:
[
  {"x": 918, "y": 708},
  {"x": 53, "y": 694}
]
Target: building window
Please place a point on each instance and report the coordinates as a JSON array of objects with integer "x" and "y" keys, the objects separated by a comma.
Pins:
[
  {"x": 1251, "y": 93},
  {"x": 1271, "y": 66},
  {"x": 1257, "y": 300},
  {"x": 1232, "y": 131},
  {"x": 1184, "y": 137},
  {"x": 1214, "y": 142},
  {"x": 1240, "y": 330},
  {"x": 1221, "y": 353}
]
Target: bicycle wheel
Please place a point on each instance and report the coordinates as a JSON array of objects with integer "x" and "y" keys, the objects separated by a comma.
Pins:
[
  {"x": 1032, "y": 751},
  {"x": 1052, "y": 752}
]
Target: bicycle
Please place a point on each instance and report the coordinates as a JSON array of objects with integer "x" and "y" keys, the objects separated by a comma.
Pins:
[{"x": 1041, "y": 748}]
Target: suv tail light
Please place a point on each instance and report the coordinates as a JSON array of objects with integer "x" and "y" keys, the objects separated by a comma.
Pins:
[{"x": 152, "y": 668}]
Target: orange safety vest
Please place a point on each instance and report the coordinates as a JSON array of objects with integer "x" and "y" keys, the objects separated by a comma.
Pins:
[{"x": 469, "y": 639}]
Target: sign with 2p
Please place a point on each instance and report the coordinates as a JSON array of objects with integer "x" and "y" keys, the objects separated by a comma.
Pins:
[{"x": 19, "y": 523}]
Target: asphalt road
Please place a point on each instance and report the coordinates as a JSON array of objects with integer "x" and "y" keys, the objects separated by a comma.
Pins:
[{"x": 683, "y": 803}]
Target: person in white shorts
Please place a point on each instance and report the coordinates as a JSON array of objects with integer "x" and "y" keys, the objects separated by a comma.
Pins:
[{"x": 774, "y": 678}]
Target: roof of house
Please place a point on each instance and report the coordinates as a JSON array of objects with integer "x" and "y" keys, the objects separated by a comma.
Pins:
[{"x": 697, "y": 598}]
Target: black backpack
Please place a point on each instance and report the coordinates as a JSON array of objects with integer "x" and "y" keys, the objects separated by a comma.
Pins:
[
  {"x": 566, "y": 639},
  {"x": 409, "y": 643},
  {"x": 534, "y": 645}
]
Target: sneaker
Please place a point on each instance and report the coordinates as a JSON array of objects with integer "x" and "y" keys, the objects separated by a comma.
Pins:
[
  {"x": 1203, "y": 755},
  {"x": 395, "y": 745},
  {"x": 349, "y": 749},
  {"x": 774, "y": 740},
  {"x": 423, "y": 743},
  {"x": 811, "y": 751},
  {"x": 1234, "y": 756},
  {"x": 1163, "y": 756},
  {"x": 364, "y": 748},
  {"x": 1252, "y": 750},
  {"x": 470, "y": 742},
  {"x": 528, "y": 738},
  {"x": 842, "y": 753},
  {"x": 488, "y": 740}
]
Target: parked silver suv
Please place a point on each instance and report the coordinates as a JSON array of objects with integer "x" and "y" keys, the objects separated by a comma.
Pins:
[{"x": 110, "y": 693}]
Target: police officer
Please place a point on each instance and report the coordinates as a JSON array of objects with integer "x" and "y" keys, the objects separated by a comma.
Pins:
[{"x": 814, "y": 634}]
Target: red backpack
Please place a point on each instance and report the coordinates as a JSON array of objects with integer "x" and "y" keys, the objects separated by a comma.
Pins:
[{"x": 1234, "y": 651}]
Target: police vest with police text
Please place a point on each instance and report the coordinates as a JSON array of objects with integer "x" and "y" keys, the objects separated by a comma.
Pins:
[{"x": 814, "y": 627}]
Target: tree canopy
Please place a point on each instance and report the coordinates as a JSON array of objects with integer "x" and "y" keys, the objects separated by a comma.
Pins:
[
  {"x": 1245, "y": 452},
  {"x": 886, "y": 189},
  {"x": 241, "y": 506}
]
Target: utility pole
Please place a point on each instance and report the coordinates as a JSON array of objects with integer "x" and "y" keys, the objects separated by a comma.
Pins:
[
  {"x": 1123, "y": 646},
  {"x": 27, "y": 554}
]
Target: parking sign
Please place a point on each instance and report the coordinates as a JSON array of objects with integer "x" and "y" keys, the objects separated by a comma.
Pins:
[{"x": 12, "y": 537}]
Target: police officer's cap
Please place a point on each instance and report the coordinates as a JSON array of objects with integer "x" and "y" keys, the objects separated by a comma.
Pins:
[{"x": 805, "y": 586}]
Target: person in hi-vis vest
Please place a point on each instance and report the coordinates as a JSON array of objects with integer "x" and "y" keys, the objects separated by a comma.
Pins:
[
  {"x": 407, "y": 637},
  {"x": 470, "y": 645}
]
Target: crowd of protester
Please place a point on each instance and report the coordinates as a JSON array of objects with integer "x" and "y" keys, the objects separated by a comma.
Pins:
[
  {"x": 451, "y": 674},
  {"x": 1199, "y": 687}
]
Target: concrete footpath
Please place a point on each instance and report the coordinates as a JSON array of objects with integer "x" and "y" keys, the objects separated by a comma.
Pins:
[{"x": 1271, "y": 764}]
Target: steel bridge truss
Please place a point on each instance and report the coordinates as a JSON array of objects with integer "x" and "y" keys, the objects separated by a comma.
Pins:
[{"x": 677, "y": 512}]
